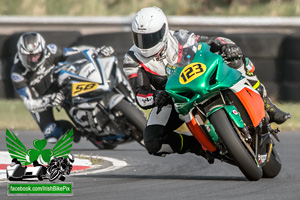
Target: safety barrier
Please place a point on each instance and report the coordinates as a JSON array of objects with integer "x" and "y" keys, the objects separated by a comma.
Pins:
[{"x": 274, "y": 54}]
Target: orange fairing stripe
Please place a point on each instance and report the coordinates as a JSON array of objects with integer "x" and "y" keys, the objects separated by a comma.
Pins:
[
  {"x": 199, "y": 135},
  {"x": 253, "y": 104}
]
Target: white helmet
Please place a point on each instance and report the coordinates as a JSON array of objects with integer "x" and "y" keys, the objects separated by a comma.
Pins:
[
  {"x": 149, "y": 30},
  {"x": 71, "y": 158},
  {"x": 31, "y": 46}
]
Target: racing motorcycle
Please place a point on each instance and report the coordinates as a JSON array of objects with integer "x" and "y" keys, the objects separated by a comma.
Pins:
[
  {"x": 224, "y": 113},
  {"x": 58, "y": 168},
  {"x": 99, "y": 99}
]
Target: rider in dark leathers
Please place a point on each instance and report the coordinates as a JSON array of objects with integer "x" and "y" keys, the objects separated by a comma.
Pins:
[
  {"x": 155, "y": 46},
  {"x": 63, "y": 164},
  {"x": 32, "y": 78}
]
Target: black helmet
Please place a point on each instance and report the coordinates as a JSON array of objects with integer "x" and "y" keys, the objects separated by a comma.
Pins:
[{"x": 31, "y": 47}]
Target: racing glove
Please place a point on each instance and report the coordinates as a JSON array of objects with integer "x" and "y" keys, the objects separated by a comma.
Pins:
[
  {"x": 225, "y": 47},
  {"x": 162, "y": 98},
  {"x": 57, "y": 99},
  {"x": 105, "y": 51},
  {"x": 231, "y": 53}
]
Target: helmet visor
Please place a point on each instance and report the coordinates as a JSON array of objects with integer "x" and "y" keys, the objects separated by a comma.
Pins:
[
  {"x": 148, "y": 40},
  {"x": 31, "y": 60}
]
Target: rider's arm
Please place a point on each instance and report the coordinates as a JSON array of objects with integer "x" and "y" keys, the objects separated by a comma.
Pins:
[
  {"x": 33, "y": 105},
  {"x": 130, "y": 68},
  {"x": 230, "y": 51},
  {"x": 59, "y": 54},
  {"x": 140, "y": 80},
  {"x": 22, "y": 87}
]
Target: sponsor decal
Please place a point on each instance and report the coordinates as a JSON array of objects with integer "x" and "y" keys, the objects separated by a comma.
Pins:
[
  {"x": 52, "y": 48},
  {"x": 30, "y": 47},
  {"x": 199, "y": 46},
  {"x": 207, "y": 128},
  {"x": 235, "y": 112},
  {"x": 16, "y": 77},
  {"x": 168, "y": 71},
  {"x": 128, "y": 60},
  {"x": 42, "y": 72}
]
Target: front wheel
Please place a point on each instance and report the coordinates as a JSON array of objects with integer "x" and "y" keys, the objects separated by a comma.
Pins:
[
  {"x": 135, "y": 118},
  {"x": 55, "y": 173},
  {"x": 273, "y": 165},
  {"x": 247, "y": 164}
]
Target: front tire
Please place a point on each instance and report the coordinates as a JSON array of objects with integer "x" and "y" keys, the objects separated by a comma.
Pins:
[
  {"x": 135, "y": 117},
  {"x": 55, "y": 173},
  {"x": 273, "y": 167},
  {"x": 250, "y": 168}
]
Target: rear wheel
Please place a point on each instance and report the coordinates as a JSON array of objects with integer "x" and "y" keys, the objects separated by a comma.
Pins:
[
  {"x": 273, "y": 166},
  {"x": 247, "y": 164},
  {"x": 135, "y": 117}
]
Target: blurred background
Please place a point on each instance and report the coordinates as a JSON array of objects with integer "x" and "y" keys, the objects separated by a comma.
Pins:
[
  {"x": 266, "y": 30},
  {"x": 170, "y": 7}
]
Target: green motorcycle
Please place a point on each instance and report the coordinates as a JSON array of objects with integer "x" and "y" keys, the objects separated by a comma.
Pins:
[{"x": 224, "y": 113}]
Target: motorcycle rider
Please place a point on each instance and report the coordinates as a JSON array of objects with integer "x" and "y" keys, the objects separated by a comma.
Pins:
[
  {"x": 62, "y": 164},
  {"x": 155, "y": 46},
  {"x": 32, "y": 79}
]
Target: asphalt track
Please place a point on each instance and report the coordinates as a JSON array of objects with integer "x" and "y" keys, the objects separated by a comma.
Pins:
[{"x": 175, "y": 176}]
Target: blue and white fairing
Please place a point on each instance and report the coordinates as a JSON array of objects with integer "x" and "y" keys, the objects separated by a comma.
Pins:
[{"x": 86, "y": 66}]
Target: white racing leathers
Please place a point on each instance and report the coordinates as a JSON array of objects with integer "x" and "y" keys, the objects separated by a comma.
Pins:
[{"x": 147, "y": 75}]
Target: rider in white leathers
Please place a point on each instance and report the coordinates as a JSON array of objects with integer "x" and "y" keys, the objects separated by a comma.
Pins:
[{"x": 155, "y": 46}]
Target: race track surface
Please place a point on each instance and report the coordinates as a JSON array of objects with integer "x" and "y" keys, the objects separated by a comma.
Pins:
[{"x": 175, "y": 176}]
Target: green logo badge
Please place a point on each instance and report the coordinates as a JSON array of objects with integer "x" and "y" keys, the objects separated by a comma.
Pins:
[{"x": 17, "y": 150}]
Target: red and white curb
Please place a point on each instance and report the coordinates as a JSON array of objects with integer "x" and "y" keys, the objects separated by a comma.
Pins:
[{"x": 79, "y": 166}]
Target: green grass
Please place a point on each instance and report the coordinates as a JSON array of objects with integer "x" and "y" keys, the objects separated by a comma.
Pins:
[
  {"x": 93, "y": 159},
  {"x": 14, "y": 116},
  {"x": 170, "y": 7}
]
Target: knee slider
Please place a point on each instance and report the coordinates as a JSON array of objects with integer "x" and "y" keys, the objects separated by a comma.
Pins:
[
  {"x": 153, "y": 136},
  {"x": 52, "y": 130},
  {"x": 153, "y": 146}
]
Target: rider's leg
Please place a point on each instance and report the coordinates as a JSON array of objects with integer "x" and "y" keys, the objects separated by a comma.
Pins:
[
  {"x": 52, "y": 129},
  {"x": 67, "y": 126},
  {"x": 47, "y": 124},
  {"x": 160, "y": 138},
  {"x": 276, "y": 115}
]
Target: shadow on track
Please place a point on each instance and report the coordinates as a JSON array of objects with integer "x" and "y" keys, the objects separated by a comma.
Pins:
[{"x": 166, "y": 177}]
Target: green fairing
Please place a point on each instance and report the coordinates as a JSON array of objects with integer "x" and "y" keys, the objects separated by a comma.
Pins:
[
  {"x": 200, "y": 87},
  {"x": 232, "y": 112},
  {"x": 211, "y": 131},
  {"x": 234, "y": 115}
]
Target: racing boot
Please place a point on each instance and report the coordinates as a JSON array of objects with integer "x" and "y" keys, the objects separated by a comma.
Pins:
[
  {"x": 190, "y": 144},
  {"x": 76, "y": 135},
  {"x": 276, "y": 115}
]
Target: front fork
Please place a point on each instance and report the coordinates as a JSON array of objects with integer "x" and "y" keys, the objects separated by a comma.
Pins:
[
  {"x": 198, "y": 133},
  {"x": 206, "y": 141}
]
